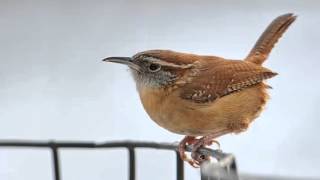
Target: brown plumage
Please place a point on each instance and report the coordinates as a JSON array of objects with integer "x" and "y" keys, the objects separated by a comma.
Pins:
[
  {"x": 269, "y": 38},
  {"x": 206, "y": 96}
]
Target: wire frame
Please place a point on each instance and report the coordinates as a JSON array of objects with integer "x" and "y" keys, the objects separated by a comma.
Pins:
[{"x": 224, "y": 169}]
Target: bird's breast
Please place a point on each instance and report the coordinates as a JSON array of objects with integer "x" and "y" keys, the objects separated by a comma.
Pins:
[{"x": 182, "y": 116}]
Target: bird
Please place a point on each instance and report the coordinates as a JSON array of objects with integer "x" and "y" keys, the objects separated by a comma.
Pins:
[{"x": 204, "y": 97}]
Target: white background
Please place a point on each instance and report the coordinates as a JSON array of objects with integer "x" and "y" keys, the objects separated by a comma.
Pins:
[{"x": 53, "y": 85}]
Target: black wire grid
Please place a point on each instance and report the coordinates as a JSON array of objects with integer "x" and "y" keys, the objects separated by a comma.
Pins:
[{"x": 226, "y": 170}]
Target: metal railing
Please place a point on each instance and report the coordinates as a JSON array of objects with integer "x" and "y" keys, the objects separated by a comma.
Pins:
[{"x": 224, "y": 169}]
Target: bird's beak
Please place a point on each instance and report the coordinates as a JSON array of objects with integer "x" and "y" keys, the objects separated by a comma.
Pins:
[{"x": 123, "y": 60}]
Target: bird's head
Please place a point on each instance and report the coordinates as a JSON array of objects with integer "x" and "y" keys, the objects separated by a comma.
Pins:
[{"x": 157, "y": 68}]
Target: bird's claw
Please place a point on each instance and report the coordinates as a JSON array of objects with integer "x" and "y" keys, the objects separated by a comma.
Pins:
[
  {"x": 196, "y": 157},
  {"x": 202, "y": 142},
  {"x": 188, "y": 140}
]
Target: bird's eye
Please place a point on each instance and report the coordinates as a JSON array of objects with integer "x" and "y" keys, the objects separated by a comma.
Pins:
[{"x": 154, "y": 67}]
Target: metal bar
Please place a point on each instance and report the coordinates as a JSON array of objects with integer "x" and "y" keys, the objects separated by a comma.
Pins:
[
  {"x": 204, "y": 175},
  {"x": 234, "y": 166},
  {"x": 180, "y": 167},
  {"x": 132, "y": 164},
  {"x": 39, "y": 144},
  {"x": 130, "y": 145},
  {"x": 224, "y": 169},
  {"x": 56, "y": 167},
  {"x": 234, "y": 170},
  {"x": 74, "y": 144}
]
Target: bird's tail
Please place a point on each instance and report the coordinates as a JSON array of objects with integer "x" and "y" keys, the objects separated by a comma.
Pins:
[{"x": 269, "y": 37}]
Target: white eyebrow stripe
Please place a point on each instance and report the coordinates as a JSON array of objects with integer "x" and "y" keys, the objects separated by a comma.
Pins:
[{"x": 163, "y": 63}]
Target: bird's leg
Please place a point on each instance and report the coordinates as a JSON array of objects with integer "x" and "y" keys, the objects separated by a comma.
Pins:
[
  {"x": 187, "y": 140},
  {"x": 205, "y": 141}
]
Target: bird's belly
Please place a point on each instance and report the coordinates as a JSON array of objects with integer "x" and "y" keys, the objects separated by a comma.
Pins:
[{"x": 233, "y": 112}]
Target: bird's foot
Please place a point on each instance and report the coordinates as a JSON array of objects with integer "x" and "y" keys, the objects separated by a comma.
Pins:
[
  {"x": 187, "y": 140},
  {"x": 197, "y": 157}
]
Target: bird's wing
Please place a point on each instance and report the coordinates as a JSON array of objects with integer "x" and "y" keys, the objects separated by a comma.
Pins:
[{"x": 223, "y": 78}]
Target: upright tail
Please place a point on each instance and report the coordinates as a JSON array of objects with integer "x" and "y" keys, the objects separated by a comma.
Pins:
[{"x": 269, "y": 38}]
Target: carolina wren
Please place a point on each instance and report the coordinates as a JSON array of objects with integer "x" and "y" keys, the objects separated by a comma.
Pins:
[{"x": 206, "y": 96}]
